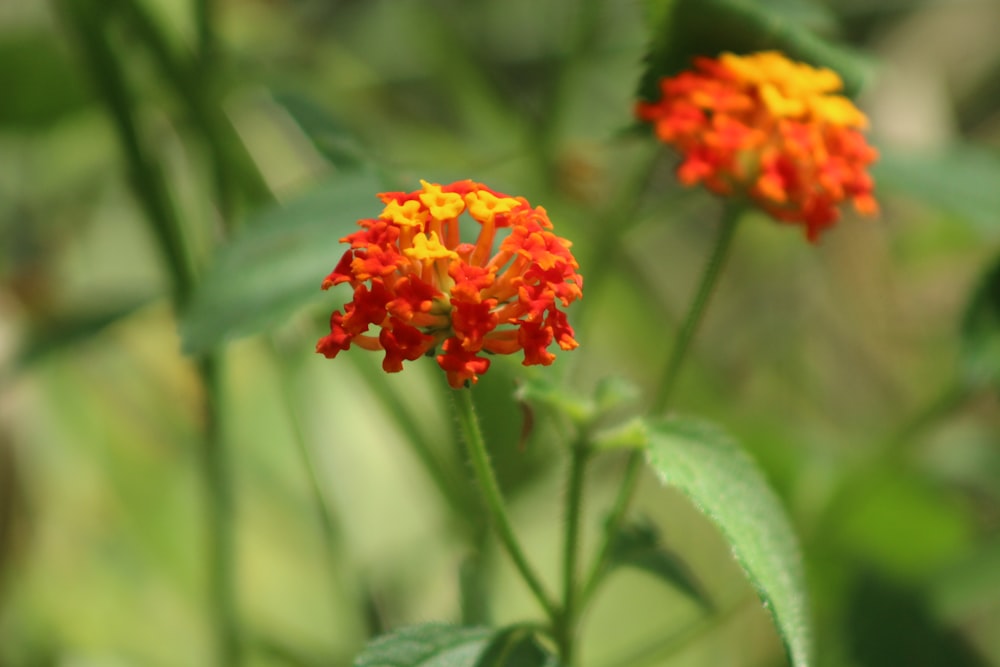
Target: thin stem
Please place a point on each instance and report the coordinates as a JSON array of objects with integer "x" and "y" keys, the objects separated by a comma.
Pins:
[
  {"x": 615, "y": 518},
  {"x": 204, "y": 15},
  {"x": 89, "y": 23},
  {"x": 574, "y": 502},
  {"x": 88, "y": 20},
  {"x": 709, "y": 279},
  {"x": 630, "y": 480},
  {"x": 476, "y": 447},
  {"x": 220, "y": 509}
]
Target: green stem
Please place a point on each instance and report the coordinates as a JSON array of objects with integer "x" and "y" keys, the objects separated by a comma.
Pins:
[
  {"x": 630, "y": 481},
  {"x": 574, "y": 501},
  {"x": 220, "y": 506},
  {"x": 89, "y": 22},
  {"x": 476, "y": 447},
  {"x": 709, "y": 279},
  {"x": 234, "y": 171}
]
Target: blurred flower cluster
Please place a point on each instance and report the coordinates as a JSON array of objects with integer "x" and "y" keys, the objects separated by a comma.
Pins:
[{"x": 774, "y": 130}]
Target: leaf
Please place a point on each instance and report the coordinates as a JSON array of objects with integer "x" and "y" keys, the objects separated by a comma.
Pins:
[
  {"x": 37, "y": 66},
  {"x": 277, "y": 262},
  {"x": 334, "y": 142},
  {"x": 638, "y": 544},
  {"x": 709, "y": 27},
  {"x": 65, "y": 332},
  {"x": 444, "y": 645},
  {"x": 429, "y": 645},
  {"x": 962, "y": 181},
  {"x": 980, "y": 331},
  {"x": 632, "y": 434},
  {"x": 706, "y": 465},
  {"x": 541, "y": 391},
  {"x": 516, "y": 646}
]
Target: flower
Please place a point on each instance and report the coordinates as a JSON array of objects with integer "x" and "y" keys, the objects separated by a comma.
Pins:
[
  {"x": 429, "y": 293},
  {"x": 767, "y": 128}
]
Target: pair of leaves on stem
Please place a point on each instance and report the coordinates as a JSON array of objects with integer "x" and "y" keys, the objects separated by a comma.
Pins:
[
  {"x": 715, "y": 474},
  {"x": 711, "y": 469}
]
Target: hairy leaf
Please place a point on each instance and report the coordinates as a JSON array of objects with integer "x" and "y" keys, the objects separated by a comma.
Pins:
[{"x": 707, "y": 466}]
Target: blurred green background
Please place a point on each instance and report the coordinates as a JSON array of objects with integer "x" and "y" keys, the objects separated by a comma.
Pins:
[{"x": 855, "y": 371}]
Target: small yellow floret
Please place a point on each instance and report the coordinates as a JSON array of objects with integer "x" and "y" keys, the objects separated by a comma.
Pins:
[
  {"x": 484, "y": 205},
  {"x": 406, "y": 214},
  {"x": 429, "y": 248},
  {"x": 443, "y": 205}
]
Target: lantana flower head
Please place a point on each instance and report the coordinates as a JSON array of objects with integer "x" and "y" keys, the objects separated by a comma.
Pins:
[
  {"x": 419, "y": 289},
  {"x": 775, "y": 131}
]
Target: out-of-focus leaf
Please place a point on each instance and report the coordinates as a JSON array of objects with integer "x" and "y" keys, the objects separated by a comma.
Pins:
[
  {"x": 706, "y": 465},
  {"x": 981, "y": 331},
  {"x": 516, "y": 646},
  {"x": 329, "y": 137},
  {"x": 692, "y": 28},
  {"x": 891, "y": 624},
  {"x": 41, "y": 83},
  {"x": 962, "y": 181},
  {"x": 277, "y": 262},
  {"x": 638, "y": 544},
  {"x": 615, "y": 392},
  {"x": 429, "y": 645},
  {"x": 610, "y": 395},
  {"x": 63, "y": 333},
  {"x": 884, "y": 509},
  {"x": 542, "y": 391},
  {"x": 633, "y": 434}
]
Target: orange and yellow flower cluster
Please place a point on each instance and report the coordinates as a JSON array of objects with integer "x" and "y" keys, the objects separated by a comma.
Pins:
[
  {"x": 427, "y": 291},
  {"x": 770, "y": 129}
]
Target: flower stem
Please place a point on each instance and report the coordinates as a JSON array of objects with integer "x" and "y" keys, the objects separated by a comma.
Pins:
[
  {"x": 566, "y": 630},
  {"x": 475, "y": 445},
  {"x": 709, "y": 279}
]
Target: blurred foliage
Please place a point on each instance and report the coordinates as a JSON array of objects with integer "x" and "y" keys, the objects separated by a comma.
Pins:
[{"x": 860, "y": 373}]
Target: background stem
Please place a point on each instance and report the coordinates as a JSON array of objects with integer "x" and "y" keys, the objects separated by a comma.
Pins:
[{"x": 90, "y": 24}]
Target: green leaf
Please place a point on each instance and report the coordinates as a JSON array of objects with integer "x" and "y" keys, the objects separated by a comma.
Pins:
[
  {"x": 516, "y": 646},
  {"x": 429, "y": 645},
  {"x": 38, "y": 68},
  {"x": 444, "y": 645},
  {"x": 65, "y": 332},
  {"x": 275, "y": 265},
  {"x": 334, "y": 142},
  {"x": 541, "y": 391},
  {"x": 962, "y": 181},
  {"x": 706, "y": 465},
  {"x": 638, "y": 544},
  {"x": 632, "y": 434},
  {"x": 980, "y": 357},
  {"x": 709, "y": 27}
]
